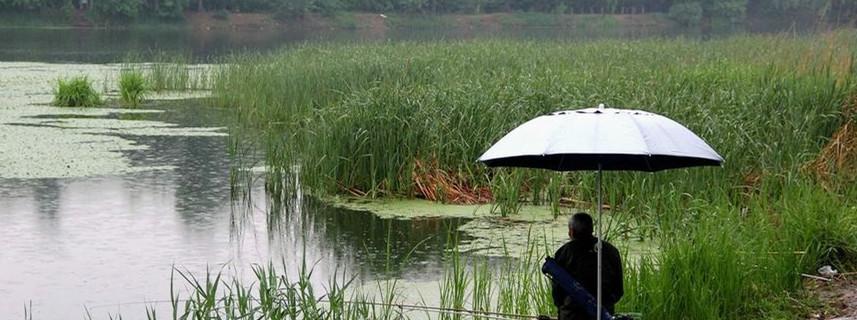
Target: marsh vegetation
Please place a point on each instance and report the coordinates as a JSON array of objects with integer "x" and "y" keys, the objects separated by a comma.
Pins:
[
  {"x": 76, "y": 92},
  {"x": 408, "y": 120},
  {"x": 132, "y": 87}
]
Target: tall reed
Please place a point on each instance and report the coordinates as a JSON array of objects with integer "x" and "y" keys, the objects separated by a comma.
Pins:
[
  {"x": 132, "y": 87},
  {"x": 358, "y": 117}
]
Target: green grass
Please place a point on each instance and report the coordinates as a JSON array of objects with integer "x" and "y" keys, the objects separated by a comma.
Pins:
[
  {"x": 727, "y": 264},
  {"x": 356, "y": 119},
  {"x": 176, "y": 75},
  {"x": 132, "y": 87},
  {"x": 274, "y": 294},
  {"x": 165, "y": 72},
  {"x": 75, "y": 92}
]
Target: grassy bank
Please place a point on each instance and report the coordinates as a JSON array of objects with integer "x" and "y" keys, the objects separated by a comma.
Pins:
[
  {"x": 409, "y": 120},
  {"x": 373, "y": 119},
  {"x": 748, "y": 269}
]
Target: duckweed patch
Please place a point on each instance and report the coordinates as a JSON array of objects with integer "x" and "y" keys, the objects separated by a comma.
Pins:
[
  {"x": 418, "y": 208},
  {"x": 51, "y": 142}
]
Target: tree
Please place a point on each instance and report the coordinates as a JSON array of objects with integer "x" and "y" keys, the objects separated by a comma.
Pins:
[
  {"x": 117, "y": 9},
  {"x": 693, "y": 12},
  {"x": 326, "y": 7},
  {"x": 168, "y": 9},
  {"x": 734, "y": 10},
  {"x": 290, "y": 9},
  {"x": 687, "y": 13}
]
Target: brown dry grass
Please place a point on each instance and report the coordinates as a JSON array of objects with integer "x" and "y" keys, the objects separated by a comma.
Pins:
[
  {"x": 435, "y": 184},
  {"x": 837, "y": 161}
]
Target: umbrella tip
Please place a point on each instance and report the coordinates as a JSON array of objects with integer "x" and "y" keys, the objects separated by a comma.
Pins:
[{"x": 600, "y": 106}]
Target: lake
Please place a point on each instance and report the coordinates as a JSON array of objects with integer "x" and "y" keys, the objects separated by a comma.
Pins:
[{"x": 98, "y": 206}]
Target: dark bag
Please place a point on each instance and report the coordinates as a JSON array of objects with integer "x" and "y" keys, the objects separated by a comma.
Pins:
[{"x": 573, "y": 289}]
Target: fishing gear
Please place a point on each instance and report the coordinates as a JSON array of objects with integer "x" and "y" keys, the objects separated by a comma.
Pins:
[
  {"x": 573, "y": 289},
  {"x": 577, "y": 292}
]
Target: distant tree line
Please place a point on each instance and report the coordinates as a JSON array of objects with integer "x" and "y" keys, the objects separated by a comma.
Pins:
[{"x": 683, "y": 11}]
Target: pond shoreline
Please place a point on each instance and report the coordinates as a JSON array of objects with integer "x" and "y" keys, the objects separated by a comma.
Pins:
[{"x": 208, "y": 21}]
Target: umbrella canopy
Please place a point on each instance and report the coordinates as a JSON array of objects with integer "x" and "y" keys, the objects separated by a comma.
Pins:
[{"x": 615, "y": 139}]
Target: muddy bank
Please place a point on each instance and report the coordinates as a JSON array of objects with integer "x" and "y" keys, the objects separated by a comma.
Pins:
[{"x": 838, "y": 297}]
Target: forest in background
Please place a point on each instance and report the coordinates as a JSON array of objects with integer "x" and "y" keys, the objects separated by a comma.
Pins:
[{"x": 686, "y": 12}]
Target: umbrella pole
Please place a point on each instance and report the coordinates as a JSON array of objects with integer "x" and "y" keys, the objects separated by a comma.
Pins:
[{"x": 598, "y": 246}]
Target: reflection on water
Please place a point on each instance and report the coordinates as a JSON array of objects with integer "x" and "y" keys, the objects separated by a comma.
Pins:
[
  {"x": 99, "y": 46},
  {"x": 103, "y": 241}
]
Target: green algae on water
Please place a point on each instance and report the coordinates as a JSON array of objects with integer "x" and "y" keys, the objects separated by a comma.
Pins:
[
  {"x": 40, "y": 146},
  {"x": 488, "y": 233},
  {"x": 419, "y": 208}
]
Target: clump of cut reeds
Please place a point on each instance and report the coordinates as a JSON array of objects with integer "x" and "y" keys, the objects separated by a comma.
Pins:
[
  {"x": 836, "y": 164},
  {"x": 434, "y": 184},
  {"x": 75, "y": 92},
  {"x": 132, "y": 87}
]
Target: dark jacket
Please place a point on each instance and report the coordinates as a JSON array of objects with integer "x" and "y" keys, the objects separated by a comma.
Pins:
[{"x": 580, "y": 259}]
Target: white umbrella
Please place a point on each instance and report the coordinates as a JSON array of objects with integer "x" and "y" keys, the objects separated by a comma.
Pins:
[{"x": 601, "y": 139}]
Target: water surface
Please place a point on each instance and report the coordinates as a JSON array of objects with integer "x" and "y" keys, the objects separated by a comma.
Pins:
[
  {"x": 104, "y": 45},
  {"x": 109, "y": 242}
]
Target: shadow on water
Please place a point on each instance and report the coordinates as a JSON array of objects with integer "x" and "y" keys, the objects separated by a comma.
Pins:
[
  {"x": 123, "y": 233},
  {"x": 388, "y": 247},
  {"x": 203, "y": 200},
  {"x": 47, "y": 194}
]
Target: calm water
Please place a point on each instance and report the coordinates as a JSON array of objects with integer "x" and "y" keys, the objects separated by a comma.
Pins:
[
  {"x": 110, "y": 242},
  {"x": 100, "y": 46}
]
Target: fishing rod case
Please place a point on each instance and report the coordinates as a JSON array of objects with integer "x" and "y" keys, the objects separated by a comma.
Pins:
[{"x": 575, "y": 290}]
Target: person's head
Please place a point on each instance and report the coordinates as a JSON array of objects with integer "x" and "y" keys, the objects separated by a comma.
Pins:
[{"x": 580, "y": 226}]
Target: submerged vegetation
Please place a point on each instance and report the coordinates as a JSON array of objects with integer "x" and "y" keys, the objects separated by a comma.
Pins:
[
  {"x": 409, "y": 120},
  {"x": 75, "y": 92}
]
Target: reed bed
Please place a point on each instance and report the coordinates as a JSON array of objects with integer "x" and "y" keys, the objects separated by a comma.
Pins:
[
  {"x": 164, "y": 72},
  {"x": 273, "y": 293},
  {"x": 750, "y": 268},
  {"x": 132, "y": 87},
  {"x": 362, "y": 119},
  {"x": 380, "y": 120}
]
